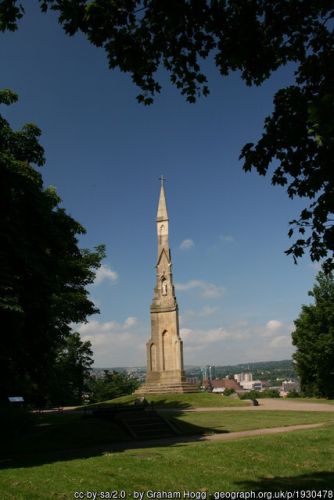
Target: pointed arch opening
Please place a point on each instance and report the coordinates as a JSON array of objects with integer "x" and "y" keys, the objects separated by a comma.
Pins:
[
  {"x": 153, "y": 358},
  {"x": 167, "y": 351}
]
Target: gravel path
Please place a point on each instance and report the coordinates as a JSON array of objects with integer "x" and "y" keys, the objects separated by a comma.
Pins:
[{"x": 293, "y": 405}]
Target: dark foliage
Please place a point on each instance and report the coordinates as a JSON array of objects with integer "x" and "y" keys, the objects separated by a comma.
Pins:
[
  {"x": 44, "y": 273},
  {"x": 254, "y": 37},
  {"x": 69, "y": 383},
  {"x": 268, "y": 393},
  {"x": 112, "y": 385},
  {"x": 314, "y": 340}
]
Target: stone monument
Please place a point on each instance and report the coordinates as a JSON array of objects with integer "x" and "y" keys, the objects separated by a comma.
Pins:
[{"x": 165, "y": 371}]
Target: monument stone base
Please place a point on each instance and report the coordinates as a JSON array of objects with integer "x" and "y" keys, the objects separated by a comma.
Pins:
[{"x": 152, "y": 388}]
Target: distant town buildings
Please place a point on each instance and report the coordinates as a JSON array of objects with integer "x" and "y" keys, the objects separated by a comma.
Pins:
[
  {"x": 192, "y": 380},
  {"x": 208, "y": 373},
  {"x": 253, "y": 385},
  {"x": 246, "y": 381},
  {"x": 225, "y": 383},
  {"x": 213, "y": 378},
  {"x": 243, "y": 377},
  {"x": 242, "y": 382},
  {"x": 289, "y": 386}
]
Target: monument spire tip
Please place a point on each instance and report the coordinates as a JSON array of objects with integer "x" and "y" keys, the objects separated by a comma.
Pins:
[{"x": 162, "y": 179}]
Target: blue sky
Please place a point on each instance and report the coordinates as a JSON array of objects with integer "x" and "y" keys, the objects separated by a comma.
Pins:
[{"x": 237, "y": 291}]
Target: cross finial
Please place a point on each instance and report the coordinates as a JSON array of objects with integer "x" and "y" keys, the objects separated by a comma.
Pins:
[{"x": 162, "y": 179}]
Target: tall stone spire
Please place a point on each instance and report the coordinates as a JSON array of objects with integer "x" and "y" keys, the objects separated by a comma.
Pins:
[
  {"x": 162, "y": 214},
  {"x": 162, "y": 222},
  {"x": 164, "y": 293},
  {"x": 165, "y": 371}
]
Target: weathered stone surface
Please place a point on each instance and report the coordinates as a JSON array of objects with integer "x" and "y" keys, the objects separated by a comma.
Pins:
[
  {"x": 165, "y": 371},
  {"x": 151, "y": 388}
]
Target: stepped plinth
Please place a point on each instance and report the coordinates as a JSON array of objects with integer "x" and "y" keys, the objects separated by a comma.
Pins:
[{"x": 177, "y": 388}]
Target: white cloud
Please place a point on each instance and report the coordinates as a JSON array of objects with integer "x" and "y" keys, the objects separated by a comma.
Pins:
[
  {"x": 186, "y": 244},
  {"x": 105, "y": 273},
  {"x": 130, "y": 321},
  {"x": 215, "y": 335},
  {"x": 281, "y": 341},
  {"x": 95, "y": 327},
  {"x": 237, "y": 343},
  {"x": 208, "y": 311},
  {"x": 208, "y": 290},
  {"x": 124, "y": 343},
  {"x": 115, "y": 344},
  {"x": 205, "y": 337},
  {"x": 274, "y": 328},
  {"x": 185, "y": 332},
  {"x": 204, "y": 312},
  {"x": 227, "y": 237},
  {"x": 274, "y": 325}
]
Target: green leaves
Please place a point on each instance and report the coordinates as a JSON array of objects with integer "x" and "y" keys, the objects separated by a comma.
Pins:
[
  {"x": 314, "y": 339},
  {"x": 10, "y": 12},
  {"x": 305, "y": 166},
  {"x": 252, "y": 37},
  {"x": 7, "y": 97},
  {"x": 44, "y": 273},
  {"x": 71, "y": 372},
  {"x": 112, "y": 385}
]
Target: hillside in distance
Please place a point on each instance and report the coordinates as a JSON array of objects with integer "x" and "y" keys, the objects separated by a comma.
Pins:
[{"x": 271, "y": 371}]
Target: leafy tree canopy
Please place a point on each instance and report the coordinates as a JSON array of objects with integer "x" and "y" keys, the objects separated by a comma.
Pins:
[
  {"x": 254, "y": 37},
  {"x": 44, "y": 274},
  {"x": 314, "y": 339},
  {"x": 112, "y": 385},
  {"x": 268, "y": 393},
  {"x": 72, "y": 371}
]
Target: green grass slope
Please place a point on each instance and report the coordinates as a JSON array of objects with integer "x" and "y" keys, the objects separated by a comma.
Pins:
[
  {"x": 232, "y": 421},
  {"x": 300, "y": 460},
  {"x": 191, "y": 400}
]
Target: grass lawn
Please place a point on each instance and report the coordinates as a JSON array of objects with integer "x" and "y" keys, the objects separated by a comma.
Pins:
[
  {"x": 196, "y": 400},
  {"x": 292, "y": 461},
  {"x": 240, "y": 421},
  {"x": 60, "y": 432},
  {"x": 52, "y": 432}
]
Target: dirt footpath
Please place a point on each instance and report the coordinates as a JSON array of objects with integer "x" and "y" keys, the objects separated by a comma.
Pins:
[
  {"x": 293, "y": 405},
  {"x": 269, "y": 404}
]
